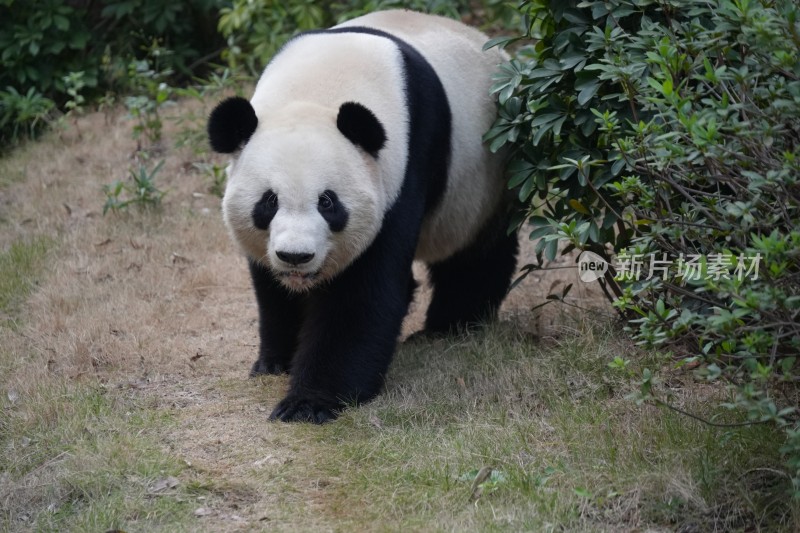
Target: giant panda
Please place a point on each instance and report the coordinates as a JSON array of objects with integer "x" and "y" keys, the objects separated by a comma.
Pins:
[{"x": 359, "y": 152}]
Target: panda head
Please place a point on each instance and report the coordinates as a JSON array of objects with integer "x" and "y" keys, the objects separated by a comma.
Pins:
[{"x": 304, "y": 194}]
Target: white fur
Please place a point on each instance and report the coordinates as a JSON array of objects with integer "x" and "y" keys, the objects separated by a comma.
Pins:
[
  {"x": 330, "y": 69},
  {"x": 299, "y": 161},
  {"x": 298, "y": 152}
]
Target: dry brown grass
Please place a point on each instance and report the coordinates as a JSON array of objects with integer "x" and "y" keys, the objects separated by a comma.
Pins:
[{"x": 152, "y": 313}]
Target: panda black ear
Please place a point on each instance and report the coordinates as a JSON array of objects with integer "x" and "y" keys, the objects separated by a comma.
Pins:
[
  {"x": 360, "y": 125},
  {"x": 231, "y": 124}
]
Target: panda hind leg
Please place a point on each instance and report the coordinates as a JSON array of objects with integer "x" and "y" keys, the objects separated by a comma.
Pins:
[{"x": 469, "y": 286}]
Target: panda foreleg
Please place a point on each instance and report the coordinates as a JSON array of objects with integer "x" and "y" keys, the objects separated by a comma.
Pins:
[
  {"x": 469, "y": 286},
  {"x": 279, "y": 315},
  {"x": 349, "y": 335}
]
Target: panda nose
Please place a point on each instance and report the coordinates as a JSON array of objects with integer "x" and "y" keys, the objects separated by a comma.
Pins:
[{"x": 294, "y": 258}]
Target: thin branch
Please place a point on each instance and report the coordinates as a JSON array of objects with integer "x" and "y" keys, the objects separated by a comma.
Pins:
[
  {"x": 705, "y": 421},
  {"x": 690, "y": 294},
  {"x": 206, "y": 58}
]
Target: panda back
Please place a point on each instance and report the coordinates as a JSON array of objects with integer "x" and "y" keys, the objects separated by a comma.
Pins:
[{"x": 475, "y": 177}]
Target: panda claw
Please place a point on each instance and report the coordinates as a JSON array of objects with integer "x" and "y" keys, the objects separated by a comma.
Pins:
[
  {"x": 299, "y": 410},
  {"x": 263, "y": 368}
]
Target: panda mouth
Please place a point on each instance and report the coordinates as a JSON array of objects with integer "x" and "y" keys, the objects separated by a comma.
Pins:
[{"x": 296, "y": 275}]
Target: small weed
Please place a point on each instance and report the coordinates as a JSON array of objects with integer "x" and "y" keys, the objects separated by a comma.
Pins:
[
  {"x": 191, "y": 133},
  {"x": 151, "y": 94},
  {"x": 75, "y": 83},
  {"x": 191, "y": 122},
  {"x": 140, "y": 190},
  {"x": 217, "y": 174},
  {"x": 484, "y": 481},
  {"x": 621, "y": 365},
  {"x": 23, "y": 114},
  {"x": 145, "y": 109}
]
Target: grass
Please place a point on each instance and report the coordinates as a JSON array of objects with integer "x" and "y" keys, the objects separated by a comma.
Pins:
[
  {"x": 80, "y": 459},
  {"x": 124, "y": 402},
  {"x": 74, "y": 456},
  {"x": 20, "y": 265},
  {"x": 568, "y": 449}
]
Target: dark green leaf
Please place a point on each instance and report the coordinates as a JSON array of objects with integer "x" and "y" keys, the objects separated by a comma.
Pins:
[
  {"x": 588, "y": 92},
  {"x": 499, "y": 41},
  {"x": 540, "y": 232}
]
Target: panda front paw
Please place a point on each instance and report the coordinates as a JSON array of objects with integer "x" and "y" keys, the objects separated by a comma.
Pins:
[
  {"x": 299, "y": 409},
  {"x": 263, "y": 367}
]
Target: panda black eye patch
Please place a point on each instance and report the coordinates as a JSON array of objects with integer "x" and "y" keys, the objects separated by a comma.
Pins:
[
  {"x": 265, "y": 209},
  {"x": 332, "y": 210}
]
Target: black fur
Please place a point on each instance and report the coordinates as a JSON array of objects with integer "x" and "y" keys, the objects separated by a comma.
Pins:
[
  {"x": 280, "y": 316},
  {"x": 265, "y": 210},
  {"x": 294, "y": 258},
  {"x": 350, "y": 327},
  {"x": 231, "y": 124},
  {"x": 469, "y": 286},
  {"x": 333, "y": 211},
  {"x": 359, "y": 124},
  {"x": 338, "y": 340}
]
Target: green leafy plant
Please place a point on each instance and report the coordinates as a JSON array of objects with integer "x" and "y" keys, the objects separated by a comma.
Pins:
[
  {"x": 41, "y": 42},
  {"x": 74, "y": 84},
  {"x": 140, "y": 190},
  {"x": 620, "y": 364},
  {"x": 151, "y": 94},
  {"x": 669, "y": 132},
  {"x": 192, "y": 121},
  {"x": 187, "y": 29},
  {"x": 217, "y": 175},
  {"x": 44, "y": 44},
  {"x": 484, "y": 481},
  {"x": 23, "y": 115}
]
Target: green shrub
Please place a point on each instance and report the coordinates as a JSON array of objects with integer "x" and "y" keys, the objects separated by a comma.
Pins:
[
  {"x": 256, "y": 29},
  {"x": 42, "y": 42},
  {"x": 670, "y": 131},
  {"x": 186, "y": 29},
  {"x": 67, "y": 52},
  {"x": 81, "y": 52}
]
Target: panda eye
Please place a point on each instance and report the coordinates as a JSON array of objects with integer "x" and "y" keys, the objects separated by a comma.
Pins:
[
  {"x": 325, "y": 202},
  {"x": 332, "y": 210},
  {"x": 265, "y": 209}
]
